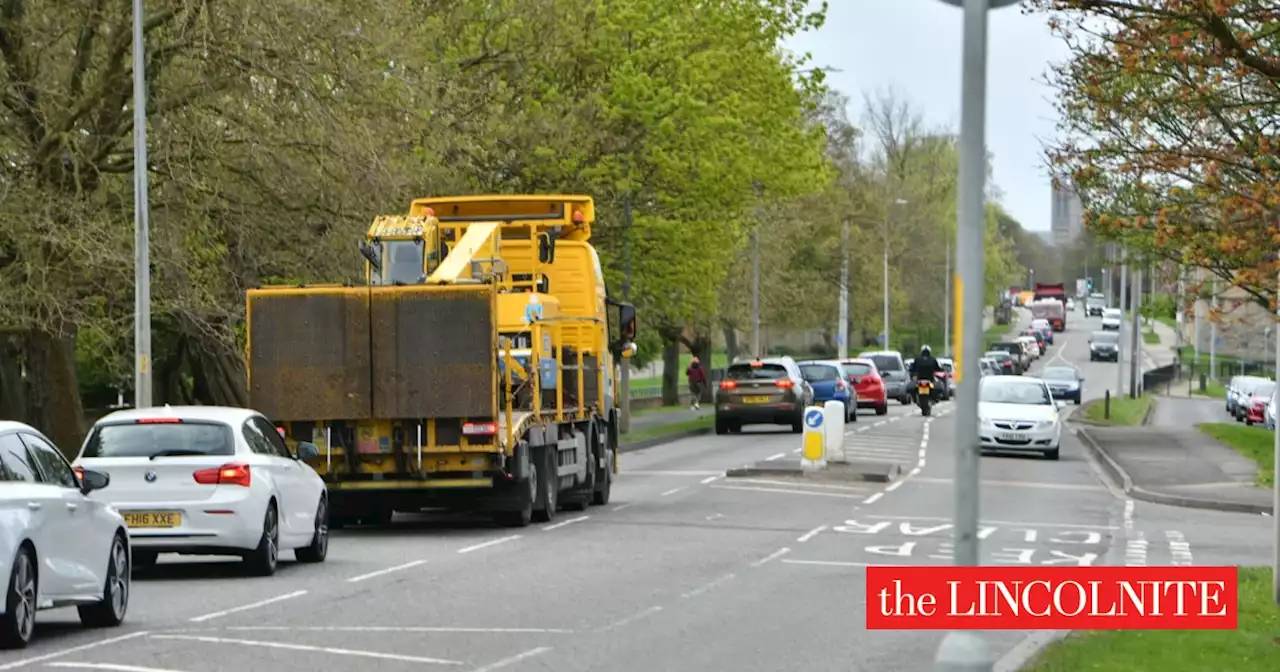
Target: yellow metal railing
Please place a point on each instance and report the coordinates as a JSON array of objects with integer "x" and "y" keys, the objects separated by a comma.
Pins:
[{"x": 539, "y": 331}]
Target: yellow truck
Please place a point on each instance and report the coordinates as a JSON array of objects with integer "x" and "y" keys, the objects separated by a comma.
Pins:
[{"x": 473, "y": 370}]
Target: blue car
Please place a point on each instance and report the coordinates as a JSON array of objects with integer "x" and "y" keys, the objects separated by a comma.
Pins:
[
  {"x": 1064, "y": 382},
  {"x": 830, "y": 382}
]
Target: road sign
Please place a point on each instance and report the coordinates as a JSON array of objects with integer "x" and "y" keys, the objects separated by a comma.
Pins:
[{"x": 813, "y": 417}]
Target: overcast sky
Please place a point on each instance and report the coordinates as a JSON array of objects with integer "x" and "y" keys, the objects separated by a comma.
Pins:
[{"x": 913, "y": 46}]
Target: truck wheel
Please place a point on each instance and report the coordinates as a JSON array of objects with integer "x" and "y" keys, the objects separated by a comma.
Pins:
[
  {"x": 544, "y": 510},
  {"x": 604, "y": 482}
]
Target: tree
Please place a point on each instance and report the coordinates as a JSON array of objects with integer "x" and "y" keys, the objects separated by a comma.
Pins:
[{"x": 1167, "y": 111}]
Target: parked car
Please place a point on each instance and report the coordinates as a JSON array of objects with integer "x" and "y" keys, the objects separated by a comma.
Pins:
[
  {"x": 1064, "y": 382},
  {"x": 209, "y": 480},
  {"x": 1008, "y": 360},
  {"x": 768, "y": 391},
  {"x": 830, "y": 383},
  {"x": 1235, "y": 389},
  {"x": 1262, "y": 395},
  {"x": 1111, "y": 318},
  {"x": 988, "y": 366},
  {"x": 1248, "y": 395},
  {"x": 948, "y": 377},
  {"x": 1019, "y": 353},
  {"x": 868, "y": 384},
  {"x": 894, "y": 372},
  {"x": 1104, "y": 346},
  {"x": 1018, "y": 415},
  {"x": 61, "y": 545},
  {"x": 1044, "y": 329},
  {"x": 1032, "y": 346},
  {"x": 1042, "y": 344}
]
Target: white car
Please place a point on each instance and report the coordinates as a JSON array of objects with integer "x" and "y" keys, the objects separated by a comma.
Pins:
[
  {"x": 1031, "y": 344},
  {"x": 208, "y": 480},
  {"x": 1111, "y": 319},
  {"x": 58, "y": 545},
  {"x": 1040, "y": 324},
  {"x": 1018, "y": 415}
]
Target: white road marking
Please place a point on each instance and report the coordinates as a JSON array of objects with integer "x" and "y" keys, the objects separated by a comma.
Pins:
[
  {"x": 827, "y": 563},
  {"x": 312, "y": 649},
  {"x": 505, "y": 662},
  {"x": 623, "y": 506},
  {"x": 562, "y": 523},
  {"x": 922, "y": 452},
  {"x": 708, "y": 586},
  {"x": 878, "y": 424},
  {"x": 771, "y": 458},
  {"x": 772, "y": 556},
  {"x": 1000, "y": 522},
  {"x": 895, "y": 419},
  {"x": 390, "y": 628},
  {"x": 1017, "y": 484},
  {"x": 1179, "y": 548},
  {"x": 873, "y": 498},
  {"x": 380, "y": 572},
  {"x": 709, "y": 479},
  {"x": 112, "y": 666},
  {"x": 674, "y": 473},
  {"x": 632, "y": 618},
  {"x": 487, "y": 544},
  {"x": 74, "y": 649},
  {"x": 672, "y": 491},
  {"x": 894, "y": 486},
  {"x": 785, "y": 491},
  {"x": 821, "y": 486},
  {"x": 1135, "y": 553},
  {"x": 247, "y": 607},
  {"x": 913, "y": 472},
  {"x": 811, "y": 533}
]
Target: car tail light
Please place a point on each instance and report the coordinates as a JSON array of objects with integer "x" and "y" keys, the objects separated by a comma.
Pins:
[
  {"x": 158, "y": 421},
  {"x": 227, "y": 474},
  {"x": 840, "y": 386},
  {"x": 79, "y": 473},
  {"x": 784, "y": 383},
  {"x": 856, "y": 380},
  {"x": 480, "y": 428},
  {"x": 728, "y": 384}
]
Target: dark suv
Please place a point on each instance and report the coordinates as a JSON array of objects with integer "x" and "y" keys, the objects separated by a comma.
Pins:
[
  {"x": 767, "y": 391},
  {"x": 1016, "y": 351}
]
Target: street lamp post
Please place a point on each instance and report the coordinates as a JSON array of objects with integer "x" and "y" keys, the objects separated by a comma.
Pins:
[
  {"x": 967, "y": 651},
  {"x": 843, "y": 330},
  {"x": 142, "y": 224},
  {"x": 886, "y": 270}
]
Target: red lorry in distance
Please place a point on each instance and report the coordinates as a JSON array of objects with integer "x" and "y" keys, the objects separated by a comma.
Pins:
[{"x": 1056, "y": 291}]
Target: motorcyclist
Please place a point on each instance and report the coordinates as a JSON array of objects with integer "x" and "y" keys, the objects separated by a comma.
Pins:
[{"x": 926, "y": 366}]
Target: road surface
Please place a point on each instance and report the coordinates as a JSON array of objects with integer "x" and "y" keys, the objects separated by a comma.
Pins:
[{"x": 683, "y": 570}]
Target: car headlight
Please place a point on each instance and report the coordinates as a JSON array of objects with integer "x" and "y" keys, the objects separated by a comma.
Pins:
[{"x": 1046, "y": 424}]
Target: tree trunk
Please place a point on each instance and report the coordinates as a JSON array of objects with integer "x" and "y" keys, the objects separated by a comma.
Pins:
[
  {"x": 700, "y": 346},
  {"x": 220, "y": 377},
  {"x": 671, "y": 373},
  {"x": 730, "y": 341},
  {"x": 54, "y": 400},
  {"x": 13, "y": 393}
]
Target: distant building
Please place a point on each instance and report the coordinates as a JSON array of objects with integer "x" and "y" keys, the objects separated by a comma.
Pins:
[{"x": 1067, "y": 219}]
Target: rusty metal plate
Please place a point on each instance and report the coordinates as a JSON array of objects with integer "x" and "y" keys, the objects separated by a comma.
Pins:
[
  {"x": 433, "y": 352},
  {"x": 309, "y": 353}
]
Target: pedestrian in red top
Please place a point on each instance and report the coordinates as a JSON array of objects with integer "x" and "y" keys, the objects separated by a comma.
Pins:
[{"x": 697, "y": 377}]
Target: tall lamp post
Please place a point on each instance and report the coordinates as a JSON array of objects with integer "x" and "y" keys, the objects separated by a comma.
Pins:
[
  {"x": 964, "y": 650},
  {"x": 887, "y": 216},
  {"x": 142, "y": 225}
]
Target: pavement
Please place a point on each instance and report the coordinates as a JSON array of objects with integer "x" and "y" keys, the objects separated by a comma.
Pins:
[
  {"x": 683, "y": 570},
  {"x": 1169, "y": 461}
]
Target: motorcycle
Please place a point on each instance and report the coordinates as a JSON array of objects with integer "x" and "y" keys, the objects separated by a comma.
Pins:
[{"x": 924, "y": 396}]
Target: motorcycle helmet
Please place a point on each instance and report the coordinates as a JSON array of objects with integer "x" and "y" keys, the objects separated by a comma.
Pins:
[{"x": 925, "y": 350}]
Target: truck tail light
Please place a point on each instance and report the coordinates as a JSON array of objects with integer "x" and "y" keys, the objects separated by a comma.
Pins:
[{"x": 479, "y": 428}]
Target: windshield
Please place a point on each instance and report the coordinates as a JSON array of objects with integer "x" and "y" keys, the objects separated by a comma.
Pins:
[
  {"x": 1008, "y": 347},
  {"x": 1111, "y": 312},
  {"x": 759, "y": 372},
  {"x": 402, "y": 262},
  {"x": 1264, "y": 390},
  {"x": 1105, "y": 337},
  {"x": 1000, "y": 391},
  {"x": 997, "y": 354},
  {"x": 885, "y": 362},
  {"x": 1059, "y": 373},
  {"x": 145, "y": 440},
  {"x": 858, "y": 369},
  {"x": 819, "y": 373}
]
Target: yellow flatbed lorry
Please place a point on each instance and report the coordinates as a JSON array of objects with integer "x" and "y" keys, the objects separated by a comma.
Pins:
[{"x": 474, "y": 369}]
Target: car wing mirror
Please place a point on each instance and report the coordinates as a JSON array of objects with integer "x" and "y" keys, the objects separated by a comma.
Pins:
[
  {"x": 307, "y": 450},
  {"x": 91, "y": 480}
]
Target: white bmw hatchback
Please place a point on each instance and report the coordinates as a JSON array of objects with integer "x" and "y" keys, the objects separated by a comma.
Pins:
[
  {"x": 208, "y": 480},
  {"x": 59, "y": 546}
]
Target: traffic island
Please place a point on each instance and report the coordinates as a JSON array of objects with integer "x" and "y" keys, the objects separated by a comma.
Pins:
[
  {"x": 832, "y": 472},
  {"x": 1251, "y": 647}
]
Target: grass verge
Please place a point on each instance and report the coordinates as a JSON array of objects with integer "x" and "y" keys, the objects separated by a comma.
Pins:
[
  {"x": 1211, "y": 389},
  {"x": 1124, "y": 411},
  {"x": 719, "y": 360},
  {"x": 1254, "y": 443},
  {"x": 1150, "y": 338},
  {"x": 1252, "y": 647},
  {"x": 663, "y": 431},
  {"x": 995, "y": 334}
]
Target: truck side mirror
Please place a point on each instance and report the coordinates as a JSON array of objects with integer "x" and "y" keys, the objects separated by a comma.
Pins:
[
  {"x": 629, "y": 350},
  {"x": 627, "y": 318},
  {"x": 546, "y": 249},
  {"x": 370, "y": 255}
]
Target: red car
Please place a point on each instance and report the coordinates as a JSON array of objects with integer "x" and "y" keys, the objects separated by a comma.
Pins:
[
  {"x": 1256, "y": 411},
  {"x": 866, "y": 380}
]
